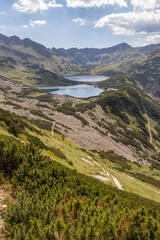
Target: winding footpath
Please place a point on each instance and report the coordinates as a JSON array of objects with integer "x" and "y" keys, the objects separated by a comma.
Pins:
[
  {"x": 116, "y": 182},
  {"x": 149, "y": 129},
  {"x": 52, "y": 128}
]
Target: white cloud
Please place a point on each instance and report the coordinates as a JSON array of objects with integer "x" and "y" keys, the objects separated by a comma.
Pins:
[
  {"x": 34, "y": 23},
  {"x": 132, "y": 22},
  {"x": 95, "y": 3},
  {"x": 24, "y": 26},
  {"x": 37, "y": 22},
  {"x": 145, "y": 4},
  {"x": 3, "y": 27},
  {"x": 31, "y": 6},
  {"x": 81, "y": 21},
  {"x": 153, "y": 39},
  {"x": 2, "y": 13}
]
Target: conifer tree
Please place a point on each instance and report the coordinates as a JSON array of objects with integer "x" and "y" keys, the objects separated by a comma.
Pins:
[{"x": 59, "y": 227}]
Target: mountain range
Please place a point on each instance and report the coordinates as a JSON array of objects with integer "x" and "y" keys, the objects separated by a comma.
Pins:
[{"x": 34, "y": 64}]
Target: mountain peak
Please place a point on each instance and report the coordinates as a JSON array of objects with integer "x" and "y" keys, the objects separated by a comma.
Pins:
[
  {"x": 122, "y": 46},
  {"x": 4, "y": 39},
  {"x": 15, "y": 40},
  {"x": 37, "y": 47}
]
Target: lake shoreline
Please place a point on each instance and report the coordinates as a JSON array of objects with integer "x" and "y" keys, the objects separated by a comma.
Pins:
[{"x": 83, "y": 89}]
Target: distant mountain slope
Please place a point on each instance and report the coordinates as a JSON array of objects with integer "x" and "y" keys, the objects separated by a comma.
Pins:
[
  {"x": 55, "y": 59},
  {"x": 148, "y": 73},
  {"x": 34, "y": 64},
  {"x": 144, "y": 71},
  {"x": 28, "y": 62},
  {"x": 89, "y": 55},
  {"x": 30, "y": 73},
  {"x": 27, "y": 43}
]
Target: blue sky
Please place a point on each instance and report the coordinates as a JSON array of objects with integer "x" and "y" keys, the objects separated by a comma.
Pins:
[{"x": 82, "y": 23}]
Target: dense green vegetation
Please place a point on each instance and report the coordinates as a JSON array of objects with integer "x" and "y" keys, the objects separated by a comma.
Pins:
[
  {"x": 152, "y": 108},
  {"x": 42, "y": 124},
  {"x": 68, "y": 109},
  {"x": 54, "y": 202},
  {"x": 13, "y": 123},
  {"x": 146, "y": 179},
  {"x": 147, "y": 73},
  {"x": 40, "y": 114},
  {"x": 113, "y": 157},
  {"x": 48, "y": 78},
  {"x": 116, "y": 82},
  {"x": 130, "y": 108},
  {"x": 16, "y": 126},
  {"x": 123, "y": 102},
  {"x": 44, "y": 98},
  {"x": 82, "y": 107}
]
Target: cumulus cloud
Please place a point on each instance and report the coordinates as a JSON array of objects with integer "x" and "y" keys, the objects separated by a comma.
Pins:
[
  {"x": 81, "y": 21},
  {"x": 37, "y": 23},
  {"x": 145, "y": 4},
  {"x": 95, "y": 3},
  {"x": 153, "y": 39},
  {"x": 132, "y": 23},
  {"x": 31, "y": 6}
]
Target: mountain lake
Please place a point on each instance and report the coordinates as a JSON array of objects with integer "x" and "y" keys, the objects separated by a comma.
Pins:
[{"x": 80, "y": 90}]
